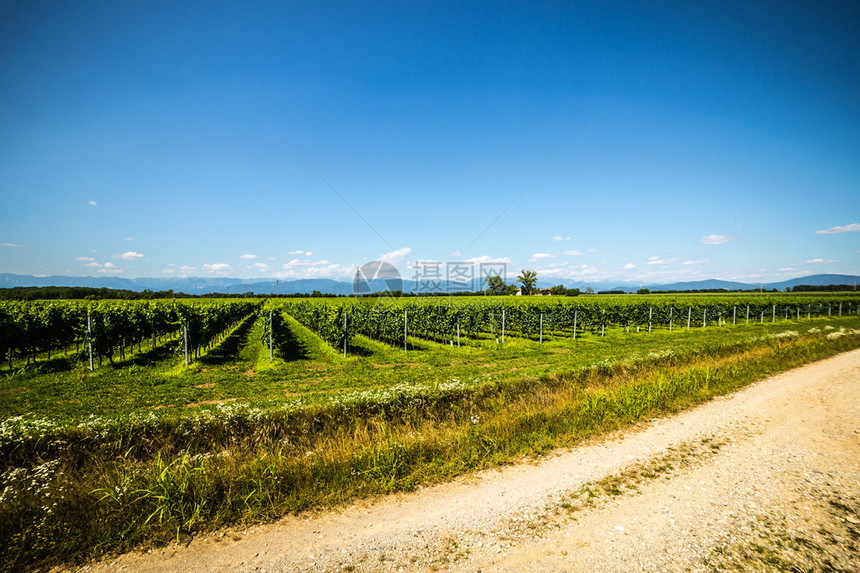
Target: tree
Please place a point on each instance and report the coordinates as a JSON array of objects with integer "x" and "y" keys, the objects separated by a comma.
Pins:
[
  {"x": 643, "y": 291},
  {"x": 529, "y": 280},
  {"x": 589, "y": 290},
  {"x": 496, "y": 285}
]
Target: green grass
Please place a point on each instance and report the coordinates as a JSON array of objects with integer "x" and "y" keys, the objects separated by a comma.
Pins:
[
  {"x": 232, "y": 438},
  {"x": 306, "y": 368}
]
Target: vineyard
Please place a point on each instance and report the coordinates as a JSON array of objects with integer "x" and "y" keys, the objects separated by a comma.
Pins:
[
  {"x": 494, "y": 319},
  {"x": 111, "y": 330},
  {"x": 131, "y": 422}
]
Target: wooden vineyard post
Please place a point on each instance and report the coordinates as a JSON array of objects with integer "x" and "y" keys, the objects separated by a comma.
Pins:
[
  {"x": 185, "y": 343},
  {"x": 798, "y": 313},
  {"x": 503, "y": 326},
  {"x": 344, "y": 335},
  {"x": 840, "y": 310},
  {"x": 705, "y": 318},
  {"x": 762, "y": 317},
  {"x": 405, "y": 328},
  {"x": 671, "y": 308},
  {"x": 828, "y": 310},
  {"x": 89, "y": 340},
  {"x": 734, "y": 315},
  {"x": 748, "y": 315},
  {"x": 689, "y": 316},
  {"x": 458, "y": 332},
  {"x": 574, "y": 322},
  {"x": 774, "y": 314},
  {"x": 650, "y": 316},
  {"x": 270, "y": 336}
]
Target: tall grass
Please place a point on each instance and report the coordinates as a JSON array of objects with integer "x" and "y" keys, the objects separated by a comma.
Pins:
[{"x": 106, "y": 485}]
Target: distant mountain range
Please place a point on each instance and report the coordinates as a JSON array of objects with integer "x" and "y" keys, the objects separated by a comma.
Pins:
[
  {"x": 200, "y": 285},
  {"x": 813, "y": 280}
]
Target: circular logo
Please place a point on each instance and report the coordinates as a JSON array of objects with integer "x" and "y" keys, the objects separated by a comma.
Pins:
[{"x": 377, "y": 277}]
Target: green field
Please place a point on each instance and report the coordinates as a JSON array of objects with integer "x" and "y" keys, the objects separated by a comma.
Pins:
[
  {"x": 144, "y": 448},
  {"x": 305, "y": 367}
]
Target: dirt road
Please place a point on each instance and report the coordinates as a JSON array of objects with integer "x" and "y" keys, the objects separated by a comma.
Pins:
[{"x": 767, "y": 477}]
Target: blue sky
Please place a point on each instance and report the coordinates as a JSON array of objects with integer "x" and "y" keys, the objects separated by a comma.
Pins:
[{"x": 643, "y": 142}]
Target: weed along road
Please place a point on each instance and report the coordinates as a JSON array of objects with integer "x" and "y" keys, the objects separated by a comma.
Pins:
[{"x": 768, "y": 477}]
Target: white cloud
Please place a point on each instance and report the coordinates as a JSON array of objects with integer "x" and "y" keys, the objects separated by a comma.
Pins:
[
  {"x": 129, "y": 238},
  {"x": 186, "y": 270},
  {"x": 540, "y": 257},
  {"x": 819, "y": 261},
  {"x": 573, "y": 253},
  {"x": 456, "y": 254},
  {"x": 841, "y": 229},
  {"x": 659, "y": 261},
  {"x": 300, "y": 252},
  {"x": 248, "y": 257},
  {"x": 560, "y": 270},
  {"x": 702, "y": 262},
  {"x": 129, "y": 256},
  {"x": 563, "y": 270},
  {"x": 787, "y": 270},
  {"x": 558, "y": 238},
  {"x": 489, "y": 259},
  {"x": 303, "y": 269},
  {"x": 717, "y": 239},
  {"x": 105, "y": 268},
  {"x": 262, "y": 267},
  {"x": 218, "y": 268},
  {"x": 395, "y": 256},
  {"x": 92, "y": 203},
  {"x": 169, "y": 271},
  {"x": 84, "y": 259},
  {"x": 12, "y": 245}
]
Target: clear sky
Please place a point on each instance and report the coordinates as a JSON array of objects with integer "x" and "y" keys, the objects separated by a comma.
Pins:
[{"x": 629, "y": 141}]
